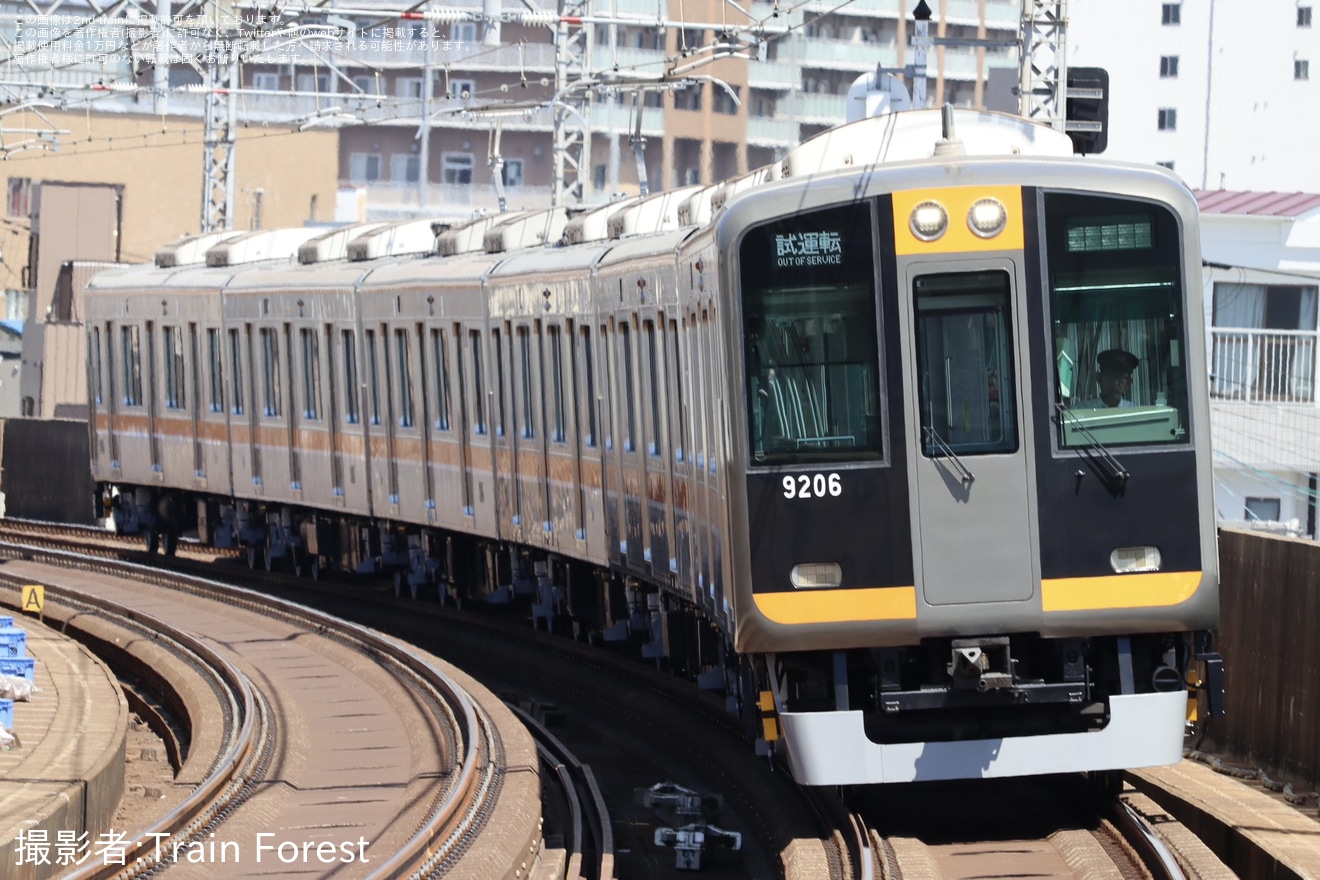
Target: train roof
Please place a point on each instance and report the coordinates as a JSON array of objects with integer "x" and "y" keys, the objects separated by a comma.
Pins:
[
  {"x": 548, "y": 261},
  {"x": 914, "y": 134},
  {"x": 660, "y": 245},
  {"x": 191, "y": 250},
  {"x": 458, "y": 270},
  {"x": 594, "y": 225},
  {"x": 529, "y": 230},
  {"x": 277, "y": 277},
  {"x": 470, "y": 236},
  {"x": 654, "y": 213},
  {"x": 333, "y": 244},
  {"x": 260, "y": 244},
  {"x": 408, "y": 237}
]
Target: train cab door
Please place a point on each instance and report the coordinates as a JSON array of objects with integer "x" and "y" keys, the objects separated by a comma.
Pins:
[{"x": 967, "y": 438}]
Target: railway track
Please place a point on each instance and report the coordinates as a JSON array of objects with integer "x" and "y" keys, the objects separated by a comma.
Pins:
[
  {"x": 280, "y": 672},
  {"x": 801, "y": 832}
]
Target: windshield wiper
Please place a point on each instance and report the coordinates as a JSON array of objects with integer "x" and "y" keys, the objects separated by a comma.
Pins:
[
  {"x": 1114, "y": 475},
  {"x": 947, "y": 451}
]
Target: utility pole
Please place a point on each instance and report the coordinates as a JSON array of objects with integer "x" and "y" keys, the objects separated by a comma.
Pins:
[{"x": 573, "y": 44}]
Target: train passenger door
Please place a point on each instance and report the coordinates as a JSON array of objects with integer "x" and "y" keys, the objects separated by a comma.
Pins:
[
  {"x": 507, "y": 509},
  {"x": 972, "y": 487},
  {"x": 195, "y": 383},
  {"x": 332, "y": 416},
  {"x": 153, "y": 396}
]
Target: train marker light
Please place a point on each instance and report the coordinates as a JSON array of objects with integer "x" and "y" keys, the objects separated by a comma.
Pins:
[
  {"x": 813, "y": 575},
  {"x": 987, "y": 218},
  {"x": 1131, "y": 559},
  {"x": 929, "y": 220}
]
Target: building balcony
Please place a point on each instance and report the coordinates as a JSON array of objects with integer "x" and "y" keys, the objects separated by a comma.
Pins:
[
  {"x": 401, "y": 201},
  {"x": 818, "y": 109},
  {"x": 773, "y": 75},
  {"x": 842, "y": 54},
  {"x": 608, "y": 116},
  {"x": 766, "y": 131},
  {"x": 1263, "y": 366}
]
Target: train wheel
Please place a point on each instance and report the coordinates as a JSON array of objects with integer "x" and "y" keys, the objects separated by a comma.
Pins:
[
  {"x": 398, "y": 584},
  {"x": 153, "y": 543},
  {"x": 171, "y": 543},
  {"x": 316, "y": 569},
  {"x": 267, "y": 557},
  {"x": 299, "y": 564},
  {"x": 252, "y": 557}
]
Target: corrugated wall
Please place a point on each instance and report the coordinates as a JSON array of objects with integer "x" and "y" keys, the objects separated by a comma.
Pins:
[
  {"x": 1270, "y": 638},
  {"x": 45, "y": 470}
]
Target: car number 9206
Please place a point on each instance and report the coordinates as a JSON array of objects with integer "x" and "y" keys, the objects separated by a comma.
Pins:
[{"x": 812, "y": 486}]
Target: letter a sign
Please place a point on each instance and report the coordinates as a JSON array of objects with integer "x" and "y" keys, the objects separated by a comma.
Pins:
[{"x": 34, "y": 598}]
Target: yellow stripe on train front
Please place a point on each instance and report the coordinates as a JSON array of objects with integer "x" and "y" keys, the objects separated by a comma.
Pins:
[
  {"x": 1148, "y": 590},
  {"x": 839, "y": 606},
  {"x": 958, "y": 237}
]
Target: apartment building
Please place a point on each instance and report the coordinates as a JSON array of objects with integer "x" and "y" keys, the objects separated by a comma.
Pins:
[{"x": 489, "y": 98}]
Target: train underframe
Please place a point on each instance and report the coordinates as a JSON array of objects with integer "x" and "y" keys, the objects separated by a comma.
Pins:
[{"x": 826, "y": 712}]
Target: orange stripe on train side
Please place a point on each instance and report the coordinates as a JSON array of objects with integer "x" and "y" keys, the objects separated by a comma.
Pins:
[
  {"x": 1145, "y": 590},
  {"x": 958, "y": 238},
  {"x": 839, "y": 606}
]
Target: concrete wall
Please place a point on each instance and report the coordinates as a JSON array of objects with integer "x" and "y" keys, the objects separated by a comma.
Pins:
[
  {"x": 1269, "y": 603},
  {"x": 158, "y": 160}
]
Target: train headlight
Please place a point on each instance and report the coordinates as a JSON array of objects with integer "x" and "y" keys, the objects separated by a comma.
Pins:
[
  {"x": 1129, "y": 559},
  {"x": 928, "y": 221},
  {"x": 987, "y": 218},
  {"x": 813, "y": 575}
]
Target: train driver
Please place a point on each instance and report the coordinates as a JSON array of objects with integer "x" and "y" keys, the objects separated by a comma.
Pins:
[{"x": 1114, "y": 377}]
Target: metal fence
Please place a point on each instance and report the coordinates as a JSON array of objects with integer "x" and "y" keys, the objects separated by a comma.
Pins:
[{"x": 1263, "y": 366}]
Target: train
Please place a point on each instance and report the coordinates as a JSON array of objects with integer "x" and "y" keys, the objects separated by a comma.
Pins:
[{"x": 831, "y": 437}]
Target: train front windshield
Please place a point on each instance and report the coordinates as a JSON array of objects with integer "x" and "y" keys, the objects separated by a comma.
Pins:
[{"x": 1115, "y": 290}]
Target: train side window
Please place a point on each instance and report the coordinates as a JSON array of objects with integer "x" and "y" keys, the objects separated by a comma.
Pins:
[
  {"x": 270, "y": 367},
  {"x": 110, "y": 363},
  {"x": 311, "y": 356},
  {"x": 132, "y": 344},
  {"x": 589, "y": 373},
  {"x": 96, "y": 365},
  {"x": 403, "y": 353},
  {"x": 679, "y": 404},
  {"x": 174, "y": 368},
  {"x": 215, "y": 361},
  {"x": 236, "y": 369},
  {"x": 478, "y": 385},
  {"x": 528, "y": 428},
  {"x": 373, "y": 377},
  {"x": 653, "y": 379},
  {"x": 499, "y": 382},
  {"x": 1115, "y": 287},
  {"x": 629, "y": 400},
  {"x": 556, "y": 385},
  {"x": 811, "y": 344},
  {"x": 352, "y": 413},
  {"x": 440, "y": 353},
  {"x": 607, "y": 386}
]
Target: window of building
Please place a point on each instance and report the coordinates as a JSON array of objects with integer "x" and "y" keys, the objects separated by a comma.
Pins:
[
  {"x": 689, "y": 98},
  {"x": 367, "y": 85},
  {"x": 598, "y": 176},
  {"x": 20, "y": 196},
  {"x": 723, "y": 102},
  {"x": 1263, "y": 509},
  {"x": 1169, "y": 66},
  {"x": 456, "y": 169},
  {"x": 319, "y": 82},
  {"x": 408, "y": 87},
  {"x": 363, "y": 167},
  {"x": 1171, "y": 13},
  {"x": 174, "y": 396},
  {"x": 464, "y": 32},
  {"x": 1168, "y": 119},
  {"x": 461, "y": 89},
  {"x": 1301, "y": 69},
  {"x": 405, "y": 168},
  {"x": 1304, "y": 16},
  {"x": 266, "y": 82},
  {"x": 512, "y": 172}
]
